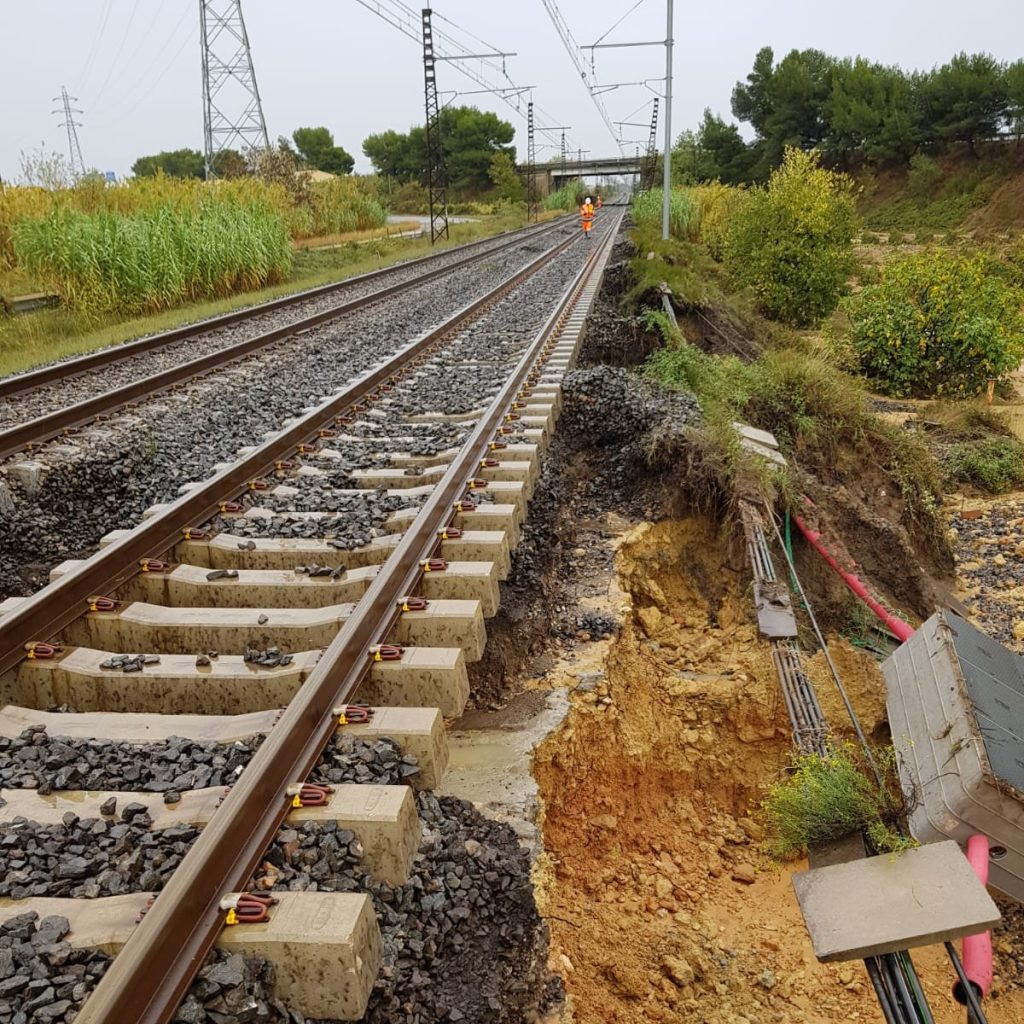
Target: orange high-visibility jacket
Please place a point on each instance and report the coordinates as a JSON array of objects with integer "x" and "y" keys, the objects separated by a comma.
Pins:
[{"x": 587, "y": 211}]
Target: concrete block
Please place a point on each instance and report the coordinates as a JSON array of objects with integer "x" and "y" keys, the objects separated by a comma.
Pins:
[
  {"x": 480, "y": 546},
  {"x": 223, "y": 552},
  {"x": 418, "y": 731},
  {"x": 445, "y": 623},
  {"x": 188, "y": 586},
  {"x": 423, "y": 677},
  {"x": 761, "y": 437},
  {"x": 883, "y": 904},
  {"x": 28, "y": 474},
  {"x": 490, "y": 517},
  {"x": 383, "y": 818},
  {"x": 227, "y": 686},
  {"x": 473, "y": 581},
  {"x": 158, "y": 630},
  {"x": 325, "y": 947}
]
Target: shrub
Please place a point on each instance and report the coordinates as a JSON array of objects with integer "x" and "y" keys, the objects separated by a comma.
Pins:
[
  {"x": 939, "y": 322},
  {"x": 717, "y": 204},
  {"x": 567, "y": 198},
  {"x": 792, "y": 241},
  {"x": 827, "y": 797},
  {"x": 924, "y": 177},
  {"x": 995, "y": 465},
  {"x": 683, "y": 212}
]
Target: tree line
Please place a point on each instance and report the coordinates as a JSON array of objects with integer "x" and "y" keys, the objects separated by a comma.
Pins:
[
  {"x": 855, "y": 112},
  {"x": 477, "y": 146},
  {"x": 311, "y": 148}
]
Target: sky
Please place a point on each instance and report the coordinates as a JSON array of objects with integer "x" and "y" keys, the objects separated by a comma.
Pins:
[{"x": 134, "y": 65}]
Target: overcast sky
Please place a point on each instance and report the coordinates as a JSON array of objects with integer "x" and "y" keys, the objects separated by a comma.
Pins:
[{"x": 135, "y": 64}]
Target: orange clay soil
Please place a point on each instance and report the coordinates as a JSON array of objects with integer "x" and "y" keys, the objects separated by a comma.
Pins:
[{"x": 662, "y": 904}]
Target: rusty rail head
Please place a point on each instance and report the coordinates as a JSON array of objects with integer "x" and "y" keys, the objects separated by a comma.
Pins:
[
  {"x": 52, "y": 608},
  {"x": 21, "y": 382},
  {"x": 61, "y": 421},
  {"x": 150, "y": 976}
]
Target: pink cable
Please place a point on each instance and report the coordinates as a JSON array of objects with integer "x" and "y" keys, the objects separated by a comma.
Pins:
[
  {"x": 901, "y": 629},
  {"x": 977, "y": 955}
]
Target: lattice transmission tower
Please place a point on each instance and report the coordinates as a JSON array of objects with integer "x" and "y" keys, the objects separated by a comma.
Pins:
[
  {"x": 232, "y": 111},
  {"x": 69, "y": 122}
]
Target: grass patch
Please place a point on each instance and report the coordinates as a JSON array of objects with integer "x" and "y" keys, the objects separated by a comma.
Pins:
[
  {"x": 820, "y": 415},
  {"x": 825, "y": 798},
  {"x": 995, "y": 465},
  {"x": 32, "y": 339},
  {"x": 975, "y": 445}
]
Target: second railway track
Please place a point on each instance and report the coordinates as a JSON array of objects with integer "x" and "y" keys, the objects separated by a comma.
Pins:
[
  {"x": 353, "y": 555},
  {"x": 57, "y": 399}
]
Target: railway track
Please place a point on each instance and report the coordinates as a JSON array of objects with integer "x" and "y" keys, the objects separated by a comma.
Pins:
[
  {"x": 58, "y": 399},
  {"x": 354, "y": 555}
]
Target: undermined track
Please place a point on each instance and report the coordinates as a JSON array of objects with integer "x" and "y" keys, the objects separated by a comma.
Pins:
[
  {"x": 228, "y": 338},
  {"x": 253, "y": 591}
]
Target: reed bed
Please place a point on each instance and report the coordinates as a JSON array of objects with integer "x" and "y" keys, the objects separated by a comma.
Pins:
[
  {"x": 149, "y": 243},
  {"x": 152, "y": 259}
]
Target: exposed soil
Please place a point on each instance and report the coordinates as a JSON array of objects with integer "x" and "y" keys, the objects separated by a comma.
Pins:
[{"x": 661, "y": 902}]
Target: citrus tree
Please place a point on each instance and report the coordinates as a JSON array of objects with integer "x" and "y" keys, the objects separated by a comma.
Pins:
[{"x": 939, "y": 322}]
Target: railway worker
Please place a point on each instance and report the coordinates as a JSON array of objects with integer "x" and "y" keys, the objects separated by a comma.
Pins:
[
  {"x": 599, "y": 203},
  {"x": 587, "y": 216}
]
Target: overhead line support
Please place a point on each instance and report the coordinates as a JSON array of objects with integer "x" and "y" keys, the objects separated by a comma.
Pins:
[{"x": 437, "y": 179}]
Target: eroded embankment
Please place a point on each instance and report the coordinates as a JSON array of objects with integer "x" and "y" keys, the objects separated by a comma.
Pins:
[{"x": 661, "y": 901}]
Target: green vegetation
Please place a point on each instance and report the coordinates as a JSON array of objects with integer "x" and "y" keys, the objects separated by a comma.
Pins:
[
  {"x": 567, "y": 198},
  {"x": 824, "y": 798},
  {"x": 975, "y": 445},
  {"x": 683, "y": 212},
  {"x": 41, "y": 337},
  {"x": 939, "y": 322},
  {"x": 151, "y": 242},
  {"x": 188, "y": 163},
  {"x": 154, "y": 258},
  {"x": 792, "y": 242},
  {"x": 936, "y": 194},
  {"x": 820, "y": 416},
  {"x": 316, "y": 149},
  {"x": 470, "y": 137},
  {"x": 855, "y": 112},
  {"x": 995, "y": 465}
]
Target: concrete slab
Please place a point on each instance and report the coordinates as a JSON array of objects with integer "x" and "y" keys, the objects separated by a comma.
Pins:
[
  {"x": 775, "y": 619},
  {"x": 473, "y": 581},
  {"x": 883, "y": 904},
  {"x": 325, "y": 947},
  {"x": 769, "y": 454},
  {"x": 491, "y": 517},
  {"x": 227, "y": 686},
  {"x": 762, "y": 437},
  {"x": 188, "y": 586},
  {"x": 418, "y": 731}
]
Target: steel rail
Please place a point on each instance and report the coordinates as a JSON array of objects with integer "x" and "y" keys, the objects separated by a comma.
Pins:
[
  {"x": 56, "y": 372},
  {"x": 49, "y": 610},
  {"x": 151, "y": 974}
]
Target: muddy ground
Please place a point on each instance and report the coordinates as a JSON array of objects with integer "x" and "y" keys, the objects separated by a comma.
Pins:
[{"x": 661, "y": 902}]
